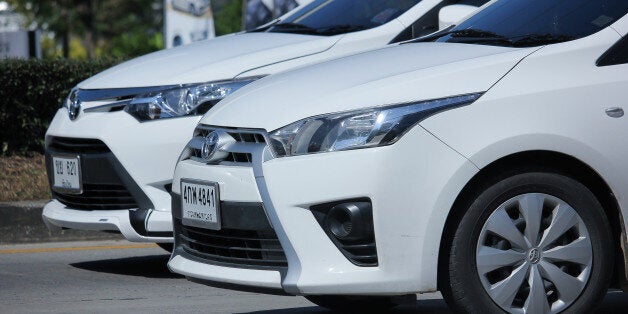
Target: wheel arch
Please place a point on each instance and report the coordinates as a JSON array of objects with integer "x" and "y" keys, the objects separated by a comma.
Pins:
[{"x": 544, "y": 161}]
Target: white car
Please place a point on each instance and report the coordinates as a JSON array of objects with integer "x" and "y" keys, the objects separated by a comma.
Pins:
[
  {"x": 489, "y": 165},
  {"x": 194, "y": 7},
  {"x": 111, "y": 150}
]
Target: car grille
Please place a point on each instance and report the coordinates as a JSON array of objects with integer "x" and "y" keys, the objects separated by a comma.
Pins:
[
  {"x": 238, "y": 155},
  {"x": 246, "y": 238},
  {"x": 231, "y": 246},
  {"x": 102, "y": 187},
  {"x": 98, "y": 197},
  {"x": 78, "y": 145}
]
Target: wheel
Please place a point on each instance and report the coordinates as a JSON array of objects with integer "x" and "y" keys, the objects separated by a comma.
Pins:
[
  {"x": 531, "y": 243},
  {"x": 353, "y": 304},
  {"x": 166, "y": 246}
]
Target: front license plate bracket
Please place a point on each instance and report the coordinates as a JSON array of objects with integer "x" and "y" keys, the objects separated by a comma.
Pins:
[{"x": 200, "y": 204}]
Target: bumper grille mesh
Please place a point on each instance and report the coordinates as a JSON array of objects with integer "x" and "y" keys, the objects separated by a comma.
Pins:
[
  {"x": 232, "y": 246},
  {"x": 78, "y": 145},
  {"x": 98, "y": 197}
]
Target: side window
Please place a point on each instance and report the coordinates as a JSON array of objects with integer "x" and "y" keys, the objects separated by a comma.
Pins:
[
  {"x": 428, "y": 23},
  {"x": 618, "y": 54}
]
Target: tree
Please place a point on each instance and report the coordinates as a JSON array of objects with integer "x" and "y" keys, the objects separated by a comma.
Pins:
[
  {"x": 227, "y": 16},
  {"x": 100, "y": 24}
]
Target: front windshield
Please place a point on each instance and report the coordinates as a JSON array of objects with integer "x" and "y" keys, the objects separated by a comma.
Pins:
[
  {"x": 332, "y": 17},
  {"x": 528, "y": 23}
]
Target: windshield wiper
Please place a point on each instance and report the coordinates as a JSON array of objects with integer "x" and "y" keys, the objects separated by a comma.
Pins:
[
  {"x": 327, "y": 30},
  {"x": 340, "y": 29},
  {"x": 294, "y": 28},
  {"x": 478, "y": 35},
  {"x": 469, "y": 35},
  {"x": 540, "y": 39}
]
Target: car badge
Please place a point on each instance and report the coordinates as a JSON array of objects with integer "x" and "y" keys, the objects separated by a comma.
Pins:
[{"x": 210, "y": 145}]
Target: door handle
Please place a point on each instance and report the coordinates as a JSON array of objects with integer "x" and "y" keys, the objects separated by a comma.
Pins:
[{"x": 615, "y": 112}]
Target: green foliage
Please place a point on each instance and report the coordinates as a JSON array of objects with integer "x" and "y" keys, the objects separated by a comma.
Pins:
[
  {"x": 98, "y": 24},
  {"x": 32, "y": 92},
  {"x": 131, "y": 44},
  {"x": 228, "y": 17}
]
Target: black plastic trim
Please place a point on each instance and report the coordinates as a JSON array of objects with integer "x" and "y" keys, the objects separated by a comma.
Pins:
[
  {"x": 236, "y": 287},
  {"x": 616, "y": 55},
  {"x": 369, "y": 260},
  {"x": 235, "y": 216}
]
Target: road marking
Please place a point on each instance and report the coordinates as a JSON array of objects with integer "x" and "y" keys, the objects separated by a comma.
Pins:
[{"x": 80, "y": 248}]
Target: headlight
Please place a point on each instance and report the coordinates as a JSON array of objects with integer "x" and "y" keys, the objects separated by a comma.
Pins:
[
  {"x": 358, "y": 129},
  {"x": 70, "y": 98},
  {"x": 182, "y": 101}
]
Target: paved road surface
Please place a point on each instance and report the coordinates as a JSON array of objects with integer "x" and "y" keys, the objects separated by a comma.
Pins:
[{"x": 118, "y": 276}]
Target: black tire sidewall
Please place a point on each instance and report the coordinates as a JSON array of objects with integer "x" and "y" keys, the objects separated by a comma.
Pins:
[{"x": 463, "y": 277}]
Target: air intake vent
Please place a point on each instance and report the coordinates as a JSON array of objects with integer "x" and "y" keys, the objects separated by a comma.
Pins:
[
  {"x": 246, "y": 238},
  {"x": 78, "y": 145},
  {"x": 231, "y": 246},
  {"x": 98, "y": 197}
]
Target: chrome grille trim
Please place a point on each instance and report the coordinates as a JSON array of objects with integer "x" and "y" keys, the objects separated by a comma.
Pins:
[{"x": 240, "y": 153}]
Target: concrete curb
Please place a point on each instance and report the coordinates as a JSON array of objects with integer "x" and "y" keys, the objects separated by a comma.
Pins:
[{"x": 21, "y": 222}]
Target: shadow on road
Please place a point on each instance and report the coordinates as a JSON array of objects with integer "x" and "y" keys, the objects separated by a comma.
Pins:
[
  {"x": 296, "y": 310},
  {"x": 153, "y": 266},
  {"x": 421, "y": 306},
  {"x": 613, "y": 302}
]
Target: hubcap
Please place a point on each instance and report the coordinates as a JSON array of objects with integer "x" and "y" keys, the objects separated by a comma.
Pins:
[{"x": 534, "y": 254}]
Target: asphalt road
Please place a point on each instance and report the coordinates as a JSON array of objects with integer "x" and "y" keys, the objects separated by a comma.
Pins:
[{"x": 118, "y": 276}]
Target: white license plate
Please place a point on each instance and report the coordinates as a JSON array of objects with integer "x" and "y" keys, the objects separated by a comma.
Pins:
[
  {"x": 200, "y": 204},
  {"x": 67, "y": 174}
]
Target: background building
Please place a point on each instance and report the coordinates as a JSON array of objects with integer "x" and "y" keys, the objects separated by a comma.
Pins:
[{"x": 259, "y": 12}]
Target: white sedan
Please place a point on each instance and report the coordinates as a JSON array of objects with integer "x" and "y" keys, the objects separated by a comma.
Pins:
[
  {"x": 111, "y": 150},
  {"x": 489, "y": 165}
]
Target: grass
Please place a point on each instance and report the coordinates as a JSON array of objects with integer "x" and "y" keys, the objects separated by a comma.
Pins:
[{"x": 23, "y": 178}]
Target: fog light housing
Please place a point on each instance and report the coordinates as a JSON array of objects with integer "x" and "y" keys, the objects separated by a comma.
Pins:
[
  {"x": 349, "y": 225},
  {"x": 350, "y": 221}
]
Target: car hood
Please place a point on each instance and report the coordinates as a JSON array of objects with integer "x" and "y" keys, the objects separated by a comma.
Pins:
[
  {"x": 392, "y": 75},
  {"x": 217, "y": 59}
]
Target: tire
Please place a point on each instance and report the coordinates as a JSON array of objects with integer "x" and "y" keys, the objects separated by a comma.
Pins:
[
  {"x": 166, "y": 246},
  {"x": 353, "y": 304},
  {"x": 488, "y": 271}
]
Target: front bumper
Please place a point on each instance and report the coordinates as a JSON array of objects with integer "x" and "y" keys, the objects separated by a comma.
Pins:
[
  {"x": 57, "y": 215},
  {"x": 411, "y": 184},
  {"x": 139, "y": 160}
]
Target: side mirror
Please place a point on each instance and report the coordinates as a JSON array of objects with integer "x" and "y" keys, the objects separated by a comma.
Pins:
[{"x": 452, "y": 14}]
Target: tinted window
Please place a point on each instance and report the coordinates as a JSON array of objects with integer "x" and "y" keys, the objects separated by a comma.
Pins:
[
  {"x": 330, "y": 17},
  {"x": 618, "y": 54},
  {"x": 537, "y": 22}
]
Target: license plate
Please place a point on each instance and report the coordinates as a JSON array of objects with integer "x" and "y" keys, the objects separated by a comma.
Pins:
[
  {"x": 67, "y": 174},
  {"x": 200, "y": 204}
]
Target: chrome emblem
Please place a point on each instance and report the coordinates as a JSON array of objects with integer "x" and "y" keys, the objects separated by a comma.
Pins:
[
  {"x": 75, "y": 106},
  {"x": 210, "y": 145},
  {"x": 534, "y": 256}
]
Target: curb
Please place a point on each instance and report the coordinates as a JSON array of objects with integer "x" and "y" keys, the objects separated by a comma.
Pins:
[{"x": 21, "y": 222}]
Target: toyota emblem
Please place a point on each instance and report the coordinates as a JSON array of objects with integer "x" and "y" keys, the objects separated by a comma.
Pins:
[{"x": 210, "y": 145}]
